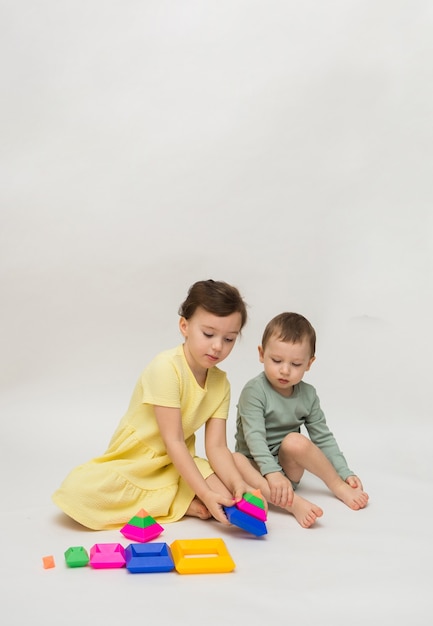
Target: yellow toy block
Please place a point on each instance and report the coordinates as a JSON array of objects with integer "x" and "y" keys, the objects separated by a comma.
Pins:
[{"x": 201, "y": 556}]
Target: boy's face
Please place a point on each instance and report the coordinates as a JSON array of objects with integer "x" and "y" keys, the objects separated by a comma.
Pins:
[{"x": 285, "y": 363}]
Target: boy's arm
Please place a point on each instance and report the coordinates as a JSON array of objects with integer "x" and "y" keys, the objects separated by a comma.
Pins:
[
  {"x": 252, "y": 436},
  {"x": 324, "y": 439}
]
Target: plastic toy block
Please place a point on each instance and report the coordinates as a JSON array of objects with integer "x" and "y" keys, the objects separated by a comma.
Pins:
[
  {"x": 142, "y": 527},
  {"x": 107, "y": 555},
  {"x": 245, "y": 521},
  {"x": 255, "y": 499},
  {"x": 201, "y": 556},
  {"x": 48, "y": 562},
  {"x": 252, "y": 509},
  {"x": 151, "y": 557},
  {"x": 257, "y": 493},
  {"x": 141, "y": 534},
  {"x": 76, "y": 557}
]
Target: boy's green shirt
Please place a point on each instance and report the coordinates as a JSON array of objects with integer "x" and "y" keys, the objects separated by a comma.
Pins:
[{"x": 265, "y": 417}]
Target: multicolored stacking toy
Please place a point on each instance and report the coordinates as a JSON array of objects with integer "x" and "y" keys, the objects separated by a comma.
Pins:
[
  {"x": 252, "y": 503},
  {"x": 142, "y": 527},
  {"x": 249, "y": 513}
]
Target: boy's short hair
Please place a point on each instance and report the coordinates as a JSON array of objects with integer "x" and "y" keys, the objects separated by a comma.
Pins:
[{"x": 290, "y": 327}]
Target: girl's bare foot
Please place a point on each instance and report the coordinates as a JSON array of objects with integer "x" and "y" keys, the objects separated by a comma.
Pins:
[
  {"x": 304, "y": 511},
  {"x": 198, "y": 509},
  {"x": 355, "y": 498}
]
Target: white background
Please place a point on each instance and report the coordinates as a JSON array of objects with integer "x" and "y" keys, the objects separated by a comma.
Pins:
[{"x": 284, "y": 147}]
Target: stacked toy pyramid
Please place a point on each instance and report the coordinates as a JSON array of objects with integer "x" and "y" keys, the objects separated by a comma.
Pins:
[
  {"x": 249, "y": 513},
  {"x": 142, "y": 527},
  {"x": 252, "y": 503}
]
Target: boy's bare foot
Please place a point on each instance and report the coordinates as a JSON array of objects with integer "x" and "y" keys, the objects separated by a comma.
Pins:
[
  {"x": 304, "y": 511},
  {"x": 355, "y": 498},
  {"x": 198, "y": 509}
]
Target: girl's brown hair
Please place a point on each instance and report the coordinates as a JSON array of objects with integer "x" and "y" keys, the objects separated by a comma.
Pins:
[{"x": 216, "y": 297}]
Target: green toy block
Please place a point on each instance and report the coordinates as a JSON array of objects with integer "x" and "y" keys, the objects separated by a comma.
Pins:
[
  {"x": 76, "y": 557},
  {"x": 141, "y": 522},
  {"x": 252, "y": 499}
]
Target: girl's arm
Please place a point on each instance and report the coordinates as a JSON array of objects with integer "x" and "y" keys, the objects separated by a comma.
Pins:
[
  {"x": 221, "y": 459},
  {"x": 169, "y": 421}
]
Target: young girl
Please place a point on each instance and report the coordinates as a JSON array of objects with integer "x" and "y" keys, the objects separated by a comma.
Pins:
[{"x": 150, "y": 462}]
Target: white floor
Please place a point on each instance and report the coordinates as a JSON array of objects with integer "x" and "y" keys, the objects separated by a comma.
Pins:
[
  {"x": 356, "y": 567},
  {"x": 284, "y": 147}
]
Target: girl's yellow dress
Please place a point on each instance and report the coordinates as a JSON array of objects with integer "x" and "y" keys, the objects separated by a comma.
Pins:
[{"x": 135, "y": 472}]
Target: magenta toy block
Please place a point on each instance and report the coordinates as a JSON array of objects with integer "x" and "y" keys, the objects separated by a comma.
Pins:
[
  {"x": 141, "y": 534},
  {"x": 142, "y": 527},
  {"x": 152, "y": 557},
  {"x": 107, "y": 555},
  {"x": 246, "y": 522},
  {"x": 252, "y": 509}
]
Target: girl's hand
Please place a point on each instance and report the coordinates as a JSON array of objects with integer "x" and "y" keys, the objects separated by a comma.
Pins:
[
  {"x": 281, "y": 489},
  {"x": 239, "y": 489},
  {"x": 354, "y": 482},
  {"x": 215, "y": 502}
]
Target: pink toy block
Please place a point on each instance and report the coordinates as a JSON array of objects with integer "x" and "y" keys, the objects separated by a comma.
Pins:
[
  {"x": 142, "y": 527},
  {"x": 107, "y": 555},
  {"x": 252, "y": 509}
]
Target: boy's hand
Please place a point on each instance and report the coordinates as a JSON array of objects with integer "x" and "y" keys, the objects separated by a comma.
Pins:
[{"x": 281, "y": 489}]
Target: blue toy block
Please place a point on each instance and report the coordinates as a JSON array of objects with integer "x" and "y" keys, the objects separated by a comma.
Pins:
[
  {"x": 151, "y": 557},
  {"x": 245, "y": 521}
]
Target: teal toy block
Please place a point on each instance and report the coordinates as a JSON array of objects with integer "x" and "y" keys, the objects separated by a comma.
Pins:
[
  {"x": 151, "y": 557},
  {"x": 107, "y": 555},
  {"x": 245, "y": 521},
  {"x": 76, "y": 556}
]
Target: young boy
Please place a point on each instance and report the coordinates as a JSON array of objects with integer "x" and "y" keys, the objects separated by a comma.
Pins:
[{"x": 271, "y": 453}]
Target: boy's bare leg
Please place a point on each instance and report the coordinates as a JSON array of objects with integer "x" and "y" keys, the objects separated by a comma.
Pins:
[
  {"x": 298, "y": 453},
  {"x": 304, "y": 511}
]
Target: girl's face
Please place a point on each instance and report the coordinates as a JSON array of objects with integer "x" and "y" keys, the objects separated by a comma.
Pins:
[
  {"x": 285, "y": 363},
  {"x": 209, "y": 339}
]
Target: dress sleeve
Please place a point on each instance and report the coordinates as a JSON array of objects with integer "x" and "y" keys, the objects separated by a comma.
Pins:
[{"x": 161, "y": 383}]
